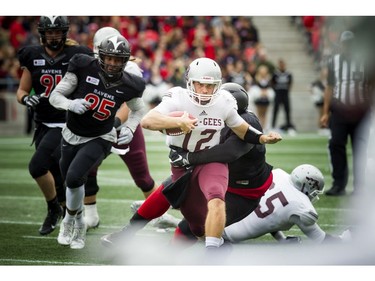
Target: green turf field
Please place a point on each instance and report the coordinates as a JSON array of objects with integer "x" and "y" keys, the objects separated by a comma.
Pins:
[{"x": 22, "y": 208}]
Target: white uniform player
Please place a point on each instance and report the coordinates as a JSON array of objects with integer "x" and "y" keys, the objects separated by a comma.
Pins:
[
  {"x": 211, "y": 119},
  {"x": 285, "y": 204}
]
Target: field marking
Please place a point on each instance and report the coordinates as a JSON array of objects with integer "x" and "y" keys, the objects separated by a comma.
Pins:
[
  {"x": 46, "y": 262},
  {"x": 13, "y": 197}
]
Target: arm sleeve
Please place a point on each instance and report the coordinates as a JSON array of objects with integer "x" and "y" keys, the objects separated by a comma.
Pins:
[
  {"x": 137, "y": 111},
  {"x": 62, "y": 90},
  {"x": 232, "y": 149},
  {"x": 313, "y": 231}
]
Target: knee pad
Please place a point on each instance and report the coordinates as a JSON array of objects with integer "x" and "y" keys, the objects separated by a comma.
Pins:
[
  {"x": 185, "y": 230},
  {"x": 74, "y": 181},
  {"x": 91, "y": 186},
  {"x": 36, "y": 168}
]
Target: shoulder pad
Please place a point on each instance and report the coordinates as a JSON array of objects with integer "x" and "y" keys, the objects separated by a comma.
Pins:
[
  {"x": 28, "y": 53},
  {"x": 135, "y": 82},
  {"x": 82, "y": 50},
  {"x": 79, "y": 61},
  {"x": 252, "y": 119},
  {"x": 173, "y": 92}
]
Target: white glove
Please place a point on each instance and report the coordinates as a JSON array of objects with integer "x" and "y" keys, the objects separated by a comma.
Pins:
[
  {"x": 31, "y": 101},
  {"x": 125, "y": 136},
  {"x": 79, "y": 106}
]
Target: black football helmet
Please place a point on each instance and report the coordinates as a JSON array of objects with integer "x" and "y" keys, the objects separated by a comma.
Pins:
[
  {"x": 53, "y": 23},
  {"x": 240, "y": 94},
  {"x": 115, "y": 46}
]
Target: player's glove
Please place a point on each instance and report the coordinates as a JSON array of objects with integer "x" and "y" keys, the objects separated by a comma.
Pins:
[
  {"x": 79, "y": 106},
  {"x": 178, "y": 158},
  {"x": 125, "y": 136},
  {"x": 292, "y": 240},
  {"x": 31, "y": 101}
]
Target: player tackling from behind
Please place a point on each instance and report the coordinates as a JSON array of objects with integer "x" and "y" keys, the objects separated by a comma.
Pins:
[{"x": 213, "y": 109}]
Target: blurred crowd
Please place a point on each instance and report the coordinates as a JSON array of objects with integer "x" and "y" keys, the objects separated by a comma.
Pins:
[{"x": 165, "y": 45}]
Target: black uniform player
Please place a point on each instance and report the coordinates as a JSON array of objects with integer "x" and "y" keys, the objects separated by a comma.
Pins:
[
  {"x": 43, "y": 68},
  {"x": 92, "y": 91}
]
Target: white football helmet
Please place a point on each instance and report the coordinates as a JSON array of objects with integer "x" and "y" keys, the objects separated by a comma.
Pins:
[
  {"x": 101, "y": 34},
  {"x": 309, "y": 180},
  {"x": 107, "y": 31},
  {"x": 205, "y": 71}
]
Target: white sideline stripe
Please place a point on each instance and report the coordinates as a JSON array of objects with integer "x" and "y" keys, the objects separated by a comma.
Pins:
[
  {"x": 151, "y": 136},
  {"x": 46, "y": 262},
  {"x": 34, "y": 198},
  {"x": 132, "y": 200}
]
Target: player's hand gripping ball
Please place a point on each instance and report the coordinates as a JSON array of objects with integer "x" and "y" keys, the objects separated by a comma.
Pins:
[{"x": 175, "y": 131}]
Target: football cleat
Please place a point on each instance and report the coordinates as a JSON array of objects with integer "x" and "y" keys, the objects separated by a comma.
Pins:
[
  {"x": 66, "y": 233},
  {"x": 135, "y": 206},
  {"x": 51, "y": 221},
  {"x": 116, "y": 238},
  {"x": 91, "y": 216},
  {"x": 165, "y": 221},
  {"x": 79, "y": 236}
]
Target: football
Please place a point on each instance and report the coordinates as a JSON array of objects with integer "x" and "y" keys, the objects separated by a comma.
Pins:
[{"x": 175, "y": 131}]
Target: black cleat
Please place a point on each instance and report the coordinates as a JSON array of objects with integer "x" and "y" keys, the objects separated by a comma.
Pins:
[
  {"x": 336, "y": 191},
  {"x": 50, "y": 222}
]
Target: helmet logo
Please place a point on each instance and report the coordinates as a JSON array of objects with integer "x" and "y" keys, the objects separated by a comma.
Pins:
[
  {"x": 313, "y": 182},
  {"x": 115, "y": 43},
  {"x": 53, "y": 18}
]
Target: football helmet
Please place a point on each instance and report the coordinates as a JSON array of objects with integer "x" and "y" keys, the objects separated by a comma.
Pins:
[
  {"x": 115, "y": 46},
  {"x": 102, "y": 34},
  {"x": 309, "y": 180},
  {"x": 53, "y": 23},
  {"x": 240, "y": 94},
  {"x": 205, "y": 71}
]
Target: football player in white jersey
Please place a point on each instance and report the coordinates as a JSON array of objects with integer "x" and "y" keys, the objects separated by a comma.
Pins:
[
  {"x": 203, "y": 205},
  {"x": 287, "y": 203},
  {"x": 135, "y": 159}
]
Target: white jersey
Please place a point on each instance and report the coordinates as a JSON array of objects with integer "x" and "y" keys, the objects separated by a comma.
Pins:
[
  {"x": 275, "y": 210},
  {"x": 211, "y": 119}
]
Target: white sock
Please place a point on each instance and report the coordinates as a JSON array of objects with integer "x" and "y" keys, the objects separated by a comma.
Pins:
[
  {"x": 214, "y": 242},
  {"x": 91, "y": 209}
]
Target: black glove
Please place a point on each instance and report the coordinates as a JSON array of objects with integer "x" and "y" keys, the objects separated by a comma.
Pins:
[
  {"x": 117, "y": 123},
  {"x": 178, "y": 157},
  {"x": 31, "y": 101}
]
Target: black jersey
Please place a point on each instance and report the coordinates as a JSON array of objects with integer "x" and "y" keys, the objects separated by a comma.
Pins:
[
  {"x": 251, "y": 169},
  {"x": 247, "y": 162},
  {"x": 106, "y": 97},
  {"x": 46, "y": 73}
]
